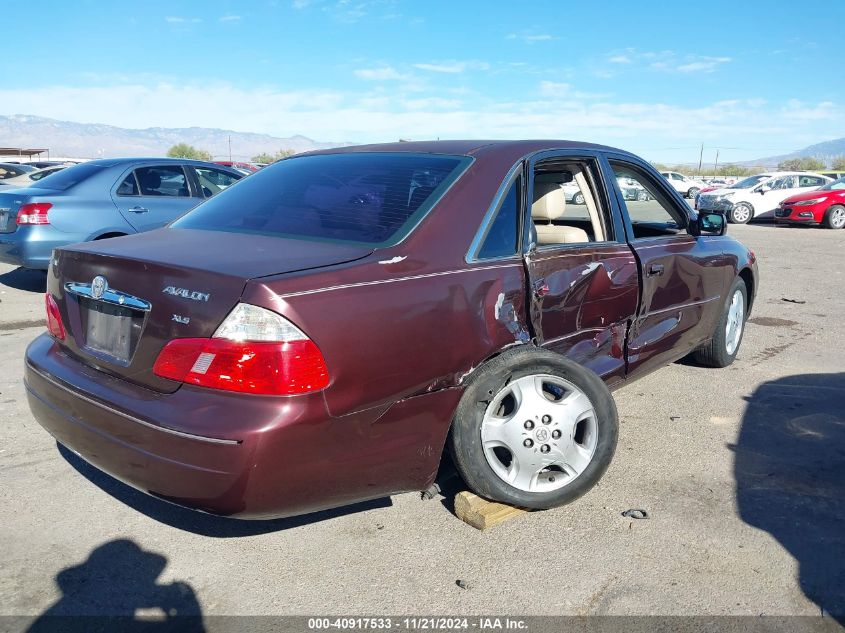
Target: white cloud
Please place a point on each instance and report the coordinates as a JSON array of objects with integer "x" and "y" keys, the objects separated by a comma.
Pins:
[
  {"x": 384, "y": 73},
  {"x": 705, "y": 64},
  {"x": 173, "y": 19},
  {"x": 452, "y": 67},
  {"x": 664, "y": 61},
  {"x": 530, "y": 37},
  {"x": 229, "y": 18},
  {"x": 350, "y": 11},
  {"x": 555, "y": 110}
]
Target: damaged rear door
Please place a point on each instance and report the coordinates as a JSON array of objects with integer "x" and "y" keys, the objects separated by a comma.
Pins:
[{"x": 583, "y": 281}]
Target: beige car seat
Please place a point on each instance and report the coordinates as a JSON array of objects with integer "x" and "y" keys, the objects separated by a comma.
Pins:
[{"x": 550, "y": 204}]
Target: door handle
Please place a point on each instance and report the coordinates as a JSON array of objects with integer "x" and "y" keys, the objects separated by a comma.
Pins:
[
  {"x": 541, "y": 288},
  {"x": 138, "y": 210},
  {"x": 655, "y": 269}
]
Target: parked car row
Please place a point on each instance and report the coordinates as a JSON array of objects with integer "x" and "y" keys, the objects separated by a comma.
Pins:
[
  {"x": 685, "y": 185},
  {"x": 101, "y": 199},
  {"x": 28, "y": 178},
  {"x": 758, "y": 196}
]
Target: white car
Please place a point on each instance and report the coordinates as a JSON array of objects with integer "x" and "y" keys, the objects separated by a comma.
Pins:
[
  {"x": 684, "y": 185},
  {"x": 758, "y": 196},
  {"x": 27, "y": 179}
]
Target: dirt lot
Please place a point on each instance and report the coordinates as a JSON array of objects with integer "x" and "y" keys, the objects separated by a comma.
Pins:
[{"x": 742, "y": 472}]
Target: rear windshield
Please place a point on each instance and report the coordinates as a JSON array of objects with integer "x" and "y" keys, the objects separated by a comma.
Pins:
[
  {"x": 749, "y": 182},
  {"x": 70, "y": 176},
  {"x": 368, "y": 198}
]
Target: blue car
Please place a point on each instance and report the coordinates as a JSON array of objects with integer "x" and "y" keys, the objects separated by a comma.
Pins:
[{"x": 101, "y": 199}]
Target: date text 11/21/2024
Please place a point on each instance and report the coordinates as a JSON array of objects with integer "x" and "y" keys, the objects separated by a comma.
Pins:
[{"x": 419, "y": 623}]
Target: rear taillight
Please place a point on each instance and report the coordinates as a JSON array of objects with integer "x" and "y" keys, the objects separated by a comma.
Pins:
[
  {"x": 34, "y": 213},
  {"x": 54, "y": 319},
  {"x": 253, "y": 351}
]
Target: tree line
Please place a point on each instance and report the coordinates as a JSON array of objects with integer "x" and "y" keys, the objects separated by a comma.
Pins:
[
  {"x": 739, "y": 171},
  {"x": 184, "y": 150}
]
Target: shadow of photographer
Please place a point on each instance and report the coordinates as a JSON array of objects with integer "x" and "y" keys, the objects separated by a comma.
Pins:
[
  {"x": 116, "y": 589},
  {"x": 790, "y": 474}
]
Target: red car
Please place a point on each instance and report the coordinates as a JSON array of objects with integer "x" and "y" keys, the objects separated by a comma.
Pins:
[
  {"x": 316, "y": 335},
  {"x": 825, "y": 206},
  {"x": 249, "y": 167}
]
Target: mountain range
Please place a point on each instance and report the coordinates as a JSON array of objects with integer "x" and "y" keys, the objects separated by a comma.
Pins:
[
  {"x": 92, "y": 140},
  {"x": 825, "y": 151}
]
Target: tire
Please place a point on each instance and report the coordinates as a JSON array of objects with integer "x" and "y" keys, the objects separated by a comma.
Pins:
[
  {"x": 578, "y": 198},
  {"x": 572, "y": 440},
  {"x": 643, "y": 196},
  {"x": 722, "y": 348},
  {"x": 834, "y": 217},
  {"x": 741, "y": 213},
  {"x": 692, "y": 193}
]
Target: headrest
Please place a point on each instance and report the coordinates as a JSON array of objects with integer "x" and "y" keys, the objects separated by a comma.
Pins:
[
  {"x": 549, "y": 201},
  {"x": 151, "y": 180}
]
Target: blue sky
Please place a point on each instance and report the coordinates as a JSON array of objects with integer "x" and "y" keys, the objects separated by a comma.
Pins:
[{"x": 657, "y": 78}]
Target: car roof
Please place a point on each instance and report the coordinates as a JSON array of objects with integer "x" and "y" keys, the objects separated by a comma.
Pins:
[
  {"x": 112, "y": 162},
  {"x": 515, "y": 149}
]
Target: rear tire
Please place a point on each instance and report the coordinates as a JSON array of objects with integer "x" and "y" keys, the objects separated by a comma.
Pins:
[
  {"x": 722, "y": 348},
  {"x": 834, "y": 217},
  {"x": 533, "y": 430},
  {"x": 578, "y": 198},
  {"x": 741, "y": 213},
  {"x": 692, "y": 193}
]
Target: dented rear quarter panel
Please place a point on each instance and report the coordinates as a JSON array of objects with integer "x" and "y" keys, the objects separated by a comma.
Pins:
[{"x": 413, "y": 318}]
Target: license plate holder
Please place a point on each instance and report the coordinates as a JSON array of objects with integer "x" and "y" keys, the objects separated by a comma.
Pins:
[
  {"x": 108, "y": 330},
  {"x": 4, "y": 219}
]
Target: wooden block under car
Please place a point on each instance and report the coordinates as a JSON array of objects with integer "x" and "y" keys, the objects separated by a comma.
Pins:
[{"x": 482, "y": 514}]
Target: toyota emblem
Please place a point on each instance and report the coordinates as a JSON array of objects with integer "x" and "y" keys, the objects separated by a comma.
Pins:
[{"x": 99, "y": 286}]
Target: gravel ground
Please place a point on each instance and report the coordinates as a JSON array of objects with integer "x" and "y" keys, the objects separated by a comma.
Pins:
[{"x": 740, "y": 470}]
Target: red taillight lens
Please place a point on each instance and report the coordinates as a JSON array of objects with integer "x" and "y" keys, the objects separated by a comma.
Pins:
[
  {"x": 34, "y": 213},
  {"x": 259, "y": 367},
  {"x": 54, "y": 319}
]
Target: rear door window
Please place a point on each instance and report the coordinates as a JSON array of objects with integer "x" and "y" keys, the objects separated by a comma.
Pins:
[
  {"x": 166, "y": 180},
  {"x": 129, "y": 186},
  {"x": 500, "y": 239},
  {"x": 365, "y": 197}
]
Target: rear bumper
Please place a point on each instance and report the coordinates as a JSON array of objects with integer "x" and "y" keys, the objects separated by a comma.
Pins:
[
  {"x": 30, "y": 246},
  {"x": 235, "y": 455}
]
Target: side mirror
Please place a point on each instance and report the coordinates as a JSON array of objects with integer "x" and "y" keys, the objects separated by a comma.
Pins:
[
  {"x": 763, "y": 189},
  {"x": 709, "y": 224}
]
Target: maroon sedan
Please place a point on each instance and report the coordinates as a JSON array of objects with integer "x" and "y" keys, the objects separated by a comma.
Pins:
[{"x": 316, "y": 334}]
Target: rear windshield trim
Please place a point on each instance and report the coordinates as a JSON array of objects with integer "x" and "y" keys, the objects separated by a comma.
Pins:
[{"x": 410, "y": 225}]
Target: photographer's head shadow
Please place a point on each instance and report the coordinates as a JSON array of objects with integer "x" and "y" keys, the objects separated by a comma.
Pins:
[
  {"x": 117, "y": 589},
  {"x": 199, "y": 522},
  {"x": 790, "y": 474},
  {"x": 25, "y": 279}
]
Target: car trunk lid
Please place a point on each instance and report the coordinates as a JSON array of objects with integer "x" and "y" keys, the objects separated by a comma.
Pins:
[{"x": 123, "y": 299}]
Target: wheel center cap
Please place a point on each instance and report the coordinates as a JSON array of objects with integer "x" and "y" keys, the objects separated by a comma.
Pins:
[{"x": 542, "y": 434}]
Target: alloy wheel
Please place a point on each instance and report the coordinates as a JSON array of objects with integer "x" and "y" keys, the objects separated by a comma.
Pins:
[
  {"x": 539, "y": 433},
  {"x": 735, "y": 322}
]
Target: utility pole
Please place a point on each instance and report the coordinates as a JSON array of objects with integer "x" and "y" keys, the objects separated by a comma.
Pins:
[
  {"x": 700, "y": 158},
  {"x": 716, "y": 164},
  {"x": 230, "y": 148}
]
